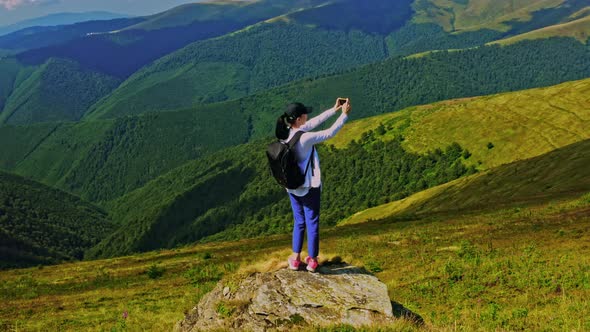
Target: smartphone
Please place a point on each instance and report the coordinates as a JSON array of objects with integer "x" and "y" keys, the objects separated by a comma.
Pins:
[{"x": 341, "y": 101}]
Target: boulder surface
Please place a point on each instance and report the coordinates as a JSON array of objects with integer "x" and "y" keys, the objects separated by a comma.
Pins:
[{"x": 284, "y": 300}]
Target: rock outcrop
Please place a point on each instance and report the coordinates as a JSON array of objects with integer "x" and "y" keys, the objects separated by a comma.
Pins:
[{"x": 283, "y": 300}]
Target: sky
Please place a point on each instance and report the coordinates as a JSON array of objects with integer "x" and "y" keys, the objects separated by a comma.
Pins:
[{"x": 12, "y": 11}]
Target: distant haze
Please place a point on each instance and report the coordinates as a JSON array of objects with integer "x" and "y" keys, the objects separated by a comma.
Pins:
[{"x": 13, "y": 11}]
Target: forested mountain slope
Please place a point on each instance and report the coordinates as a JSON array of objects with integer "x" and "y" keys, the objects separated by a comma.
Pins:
[
  {"x": 107, "y": 50},
  {"x": 41, "y": 225},
  {"x": 314, "y": 42},
  {"x": 194, "y": 55},
  {"x": 229, "y": 194},
  {"x": 106, "y": 159}
]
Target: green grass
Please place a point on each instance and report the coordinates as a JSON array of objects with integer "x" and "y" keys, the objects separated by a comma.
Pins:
[
  {"x": 579, "y": 29},
  {"x": 559, "y": 174},
  {"x": 520, "y": 124},
  {"x": 524, "y": 268},
  {"x": 478, "y": 14}
]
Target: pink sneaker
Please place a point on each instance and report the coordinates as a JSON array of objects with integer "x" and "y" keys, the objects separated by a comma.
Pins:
[
  {"x": 312, "y": 264},
  {"x": 293, "y": 264}
]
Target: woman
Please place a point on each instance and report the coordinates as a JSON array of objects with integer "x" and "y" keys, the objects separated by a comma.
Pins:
[{"x": 305, "y": 200}]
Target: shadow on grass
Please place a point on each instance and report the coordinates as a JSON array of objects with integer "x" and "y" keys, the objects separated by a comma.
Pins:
[
  {"x": 336, "y": 265},
  {"x": 399, "y": 311}
]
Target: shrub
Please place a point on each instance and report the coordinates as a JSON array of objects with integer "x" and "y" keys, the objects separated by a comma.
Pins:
[{"x": 154, "y": 271}]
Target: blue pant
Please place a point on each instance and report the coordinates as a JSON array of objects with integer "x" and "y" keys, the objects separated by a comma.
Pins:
[{"x": 306, "y": 212}]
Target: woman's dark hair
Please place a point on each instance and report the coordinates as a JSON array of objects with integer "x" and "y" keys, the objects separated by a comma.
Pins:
[{"x": 284, "y": 123}]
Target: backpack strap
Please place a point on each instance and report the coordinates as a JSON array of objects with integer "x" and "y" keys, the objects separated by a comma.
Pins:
[
  {"x": 311, "y": 158},
  {"x": 294, "y": 141}
]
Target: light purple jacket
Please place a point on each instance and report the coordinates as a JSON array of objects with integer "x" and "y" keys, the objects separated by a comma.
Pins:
[{"x": 304, "y": 147}]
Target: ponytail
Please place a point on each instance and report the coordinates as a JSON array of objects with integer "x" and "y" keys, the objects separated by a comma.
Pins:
[{"x": 283, "y": 126}]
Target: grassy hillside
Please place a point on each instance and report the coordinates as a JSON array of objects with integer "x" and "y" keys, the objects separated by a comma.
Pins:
[
  {"x": 579, "y": 29},
  {"x": 380, "y": 17},
  {"x": 441, "y": 25},
  {"x": 259, "y": 57},
  {"x": 524, "y": 269},
  {"x": 58, "y": 90},
  {"x": 398, "y": 83},
  {"x": 559, "y": 174},
  {"x": 498, "y": 15},
  {"x": 278, "y": 51},
  {"x": 40, "y": 225},
  {"x": 519, "y": 125}
]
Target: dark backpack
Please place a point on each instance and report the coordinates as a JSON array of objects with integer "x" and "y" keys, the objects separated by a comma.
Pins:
[{"x": 283, "y": 162}]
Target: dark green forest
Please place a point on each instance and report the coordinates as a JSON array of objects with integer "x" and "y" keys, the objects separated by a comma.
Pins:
[
  {"x": 137, "y": 149},
  {"x": 263, "y": 56},
  {"x": 100, "y": 58},
  {"x": 43, "y": 36},
  {"x": 399, "y": 82},
  {"x": 385, "y": 16},
  {"x": 63, "y": 84},
  {"x": 231, "y": 195},
  {"x": 40, "y": 225},
  {"x": 106, "y": 159},
  {"x": 417, "y": 38}
]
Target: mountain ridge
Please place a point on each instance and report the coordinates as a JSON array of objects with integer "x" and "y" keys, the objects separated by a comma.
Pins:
[
  {"x": 394, "y": 25},
  {"x": 60, "y": 19}
]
